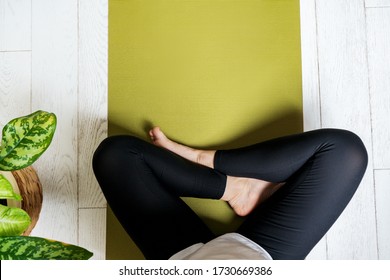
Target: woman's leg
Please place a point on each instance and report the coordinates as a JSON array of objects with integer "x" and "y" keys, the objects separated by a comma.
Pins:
[
  {"x": 142, "y": 184},
  {"x": 321, "y": 170}
]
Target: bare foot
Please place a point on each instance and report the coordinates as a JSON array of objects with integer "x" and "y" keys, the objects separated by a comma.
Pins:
[
  {"x": 244, "y": 194},
  {"x": 203, "y": 157}
]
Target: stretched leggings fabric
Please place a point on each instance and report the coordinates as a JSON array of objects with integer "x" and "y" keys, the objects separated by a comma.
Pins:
[{"x": 143, "y": 185}]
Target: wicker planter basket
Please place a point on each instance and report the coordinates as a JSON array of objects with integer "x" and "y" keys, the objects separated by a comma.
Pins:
[{"x": 27, "y": 184}]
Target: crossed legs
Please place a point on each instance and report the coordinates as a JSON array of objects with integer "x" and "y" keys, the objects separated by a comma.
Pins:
[
  {"x": 242, "y": 194},
  {"x": 313, "y": 175}
]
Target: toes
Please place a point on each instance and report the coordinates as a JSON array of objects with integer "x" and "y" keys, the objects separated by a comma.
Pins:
[
  {"x": 158, "y": 137},
  {"x": 152, "y": 136},
  {"x": 154, "y": 132}
]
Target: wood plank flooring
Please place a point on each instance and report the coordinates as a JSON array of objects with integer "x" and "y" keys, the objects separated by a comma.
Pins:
[{"x": 351, "y": 49}]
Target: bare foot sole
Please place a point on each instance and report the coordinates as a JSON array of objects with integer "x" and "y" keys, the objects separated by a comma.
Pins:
[
  {"x": 203, "y": 157},
  {"x": 244, "y": 194}
]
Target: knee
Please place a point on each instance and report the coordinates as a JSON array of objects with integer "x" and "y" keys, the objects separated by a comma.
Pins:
[
  {"x": 110, "y": 151},
  {"x": 350, "y": 147}
]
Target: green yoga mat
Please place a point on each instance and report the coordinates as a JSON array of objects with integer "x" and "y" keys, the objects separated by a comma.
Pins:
[{"x": 210, "y": 73}]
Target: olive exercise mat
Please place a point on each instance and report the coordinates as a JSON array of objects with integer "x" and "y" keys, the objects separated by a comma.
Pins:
[{"x": 210, "y": 73}]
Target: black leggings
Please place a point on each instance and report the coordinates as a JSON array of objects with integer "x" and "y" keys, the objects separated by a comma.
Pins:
[{"x": 143, "y": 185}]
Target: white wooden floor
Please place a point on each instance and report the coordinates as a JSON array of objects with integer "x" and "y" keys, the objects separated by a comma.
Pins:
[
  {"x": 346, "y": 84},
  {"x": 53, "y": 56}
]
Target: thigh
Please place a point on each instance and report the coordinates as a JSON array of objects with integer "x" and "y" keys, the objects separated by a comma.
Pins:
[{"x": 154, "y": 216}]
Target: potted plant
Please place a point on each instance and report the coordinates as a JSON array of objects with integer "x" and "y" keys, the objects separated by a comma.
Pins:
[{"x": 24, "y": 140}]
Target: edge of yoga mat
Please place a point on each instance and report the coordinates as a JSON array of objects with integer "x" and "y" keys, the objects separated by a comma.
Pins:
[{"x": 210, "y": 73}]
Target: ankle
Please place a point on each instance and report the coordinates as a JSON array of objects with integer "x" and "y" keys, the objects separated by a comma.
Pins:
[
  {"x": 206, "y": 158},
  {"x": 231, "y": 189}
]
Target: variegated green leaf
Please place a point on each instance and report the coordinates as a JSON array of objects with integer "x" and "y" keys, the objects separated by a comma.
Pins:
[
  {"x": 6, "y": 189},
  {"x": 25, "y": 139},
  {"x": 13, "y": 221},
  {"x": 36, "y": 248}
]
